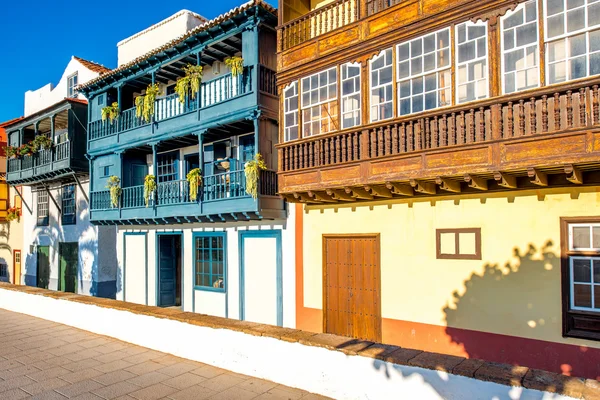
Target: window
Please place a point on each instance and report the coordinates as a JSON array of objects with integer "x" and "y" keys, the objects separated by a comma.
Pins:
[
  {"x": 581, "y": 271},
  {"x": 71, "y": 83},
  {"x": 573, "y": 45},
  {"x": 246, "y": 149},
  {"x": 167, "y": 166},
  {"x": 471, "y": 62},
  {"x": 520, "y": 50},
  {"x": 42, "y": 207},
  {"x": 290, "y": 106},
  {"x": 350, "y": 95},
  {"x": 424, "y": 73},
  {"x": 210, "y": 262},
  {"x": 69, "y": 207},
  {"x": 3, "y": 271},
  {"x": 106, "y": 171},
  {"x": 459, "y": 244},
  {"x": 100, "y": 99},
  {"x": 319, "y": 103},
  {"x": 381, "y": 86}
]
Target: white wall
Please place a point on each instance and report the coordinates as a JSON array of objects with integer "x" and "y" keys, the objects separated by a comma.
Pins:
[
  {"x": 36, "y": 100},
  {"x": 157, "y": 35},
  {"x": 201, "y": 301},
  {"x": 315, "y": 369}
]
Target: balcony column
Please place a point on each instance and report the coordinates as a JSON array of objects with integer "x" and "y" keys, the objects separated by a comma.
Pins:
[
  {"x": 154, "y": 170},
  {"x": 52, "y": 136},
  {"x": 119, "y": 174},
  {"x": 198, "y": 62},
  {"x": 200, "y": 135}
]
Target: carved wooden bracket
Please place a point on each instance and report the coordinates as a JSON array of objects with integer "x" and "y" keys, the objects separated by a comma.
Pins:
[
  {"x": 492, "y": 16},
  {"x": 448, "y": 185}
]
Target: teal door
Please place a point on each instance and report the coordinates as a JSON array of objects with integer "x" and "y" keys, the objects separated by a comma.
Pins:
[
  {"x": 43, "y": 266},
  {"x": 69, "y": 263},
  {"x": 138, "y": 174},
  {"x": 169, "y": 271}
]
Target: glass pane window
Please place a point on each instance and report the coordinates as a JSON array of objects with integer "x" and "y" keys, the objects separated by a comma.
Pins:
[
  {"x": 71, "y": 84},
  {"x": 209, "y": 258},
  {"x": 167, "y": 167},
  {"x": 520, "y": 50},
  {"x": 471, "y": 62},
  {"x": 319, "y": 103},
  {"x": 572, "y": 39},
  {"x": 42, "y": 207},
  {"x": 584, "y": 237},
  {"x": 68, "y": 204},
  {"x": 381, "y": 86},
  {"x": 290, "y": 106},
  {"x": 351, "y": 95},
  {"x": 585, "y": 283},
  {"x": 424, "y": 73}
]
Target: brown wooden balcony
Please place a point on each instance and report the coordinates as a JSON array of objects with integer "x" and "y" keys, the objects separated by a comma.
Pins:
[{"x": 535, "y": 138}]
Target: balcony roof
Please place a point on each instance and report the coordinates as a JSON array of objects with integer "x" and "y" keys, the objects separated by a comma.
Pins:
[
  {"x": 101, "y": 81},
  {"x": 30, "y": 119}
]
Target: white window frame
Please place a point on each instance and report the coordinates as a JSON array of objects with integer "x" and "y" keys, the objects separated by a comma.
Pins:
[
  {"x": 320, "y": 103},
  {"x": 583, "y": 225},
  {"x": 345, "y": 96},
  {"x": 566, "y": 37},
  {"x": 521, "y": 6},
  {"x": 70, "y": 86},
  {"x": 288, "y": 111},
  {"x": 424, "y": 73},
  {"x": 591, "y": 258},
  {"x": 43, "y": 198},
  {"x": 371, "y": 87},
  {"x": 458, "y": 64}
]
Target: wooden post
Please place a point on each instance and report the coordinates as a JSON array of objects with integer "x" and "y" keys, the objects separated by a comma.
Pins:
[
  {"x": 52, "y": 135},
  {"x": 362, "y": 9}
]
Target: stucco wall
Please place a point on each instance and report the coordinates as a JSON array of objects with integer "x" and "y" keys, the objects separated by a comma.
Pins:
[
  {"x": 514, "y": 290},
  {"x": 201, "y": 301}
]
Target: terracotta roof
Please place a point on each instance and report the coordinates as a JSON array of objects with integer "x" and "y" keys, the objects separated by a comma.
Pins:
[
  {"x": 38, "y": 113},
  {"x": 92, "y": 66},
  {"x": 200, "y": 28},
  {"x": 10, "y": 122}
]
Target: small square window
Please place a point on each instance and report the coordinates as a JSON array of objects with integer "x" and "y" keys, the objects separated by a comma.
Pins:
[
  {"x": 458, "y": 244},
  {"x": 106, "y": 171},
  {"x": 100, "y": 99}
]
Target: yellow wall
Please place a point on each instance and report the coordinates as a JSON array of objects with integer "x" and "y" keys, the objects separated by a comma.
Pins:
[{"x": 515, "y": 288}]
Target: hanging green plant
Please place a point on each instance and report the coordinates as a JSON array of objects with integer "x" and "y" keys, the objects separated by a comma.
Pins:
[
  {"x": 190, "y": 83},
  {"x": 40, "y": 142},
  {"x": 149, "y": 187},
  {"x": 152, "y": 92},
  {"x": 235, "y": 64},
  {"x": 110, "y": 112},
  {"x": 11, "y": 151},
  {"x": 139, "y": 106},
  {"x": 194, "y": 178},
  {"x": 252, "y": 170},
  {"x": 182, "y": 87},
  {"x": 13, "y": 214},
  {"x": 114, "y": 186}
]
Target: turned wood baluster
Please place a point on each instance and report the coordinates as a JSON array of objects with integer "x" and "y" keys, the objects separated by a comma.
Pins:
[
  {"x": 295, "y": 157},
  {"x": 452, "y": 135},
  {"x": 481, "y": 130},
  {"x": 435, "y": 132},
  {"x": 544, "y": 113},
  {"x": 582, "y": 106},
  {"x": 427, "y": 144},
  {"x": 569, "y": 109},
  {"x": 500, "y": 121},
  {"x": 380, "y": 142},
  {"x": 410, "y": 134},
  {"x": 344, "y": 156},
  {"x": 335, "y": 151},
  {"x": 419, "y": 134},
  {"x": 326, "y": 152},
  {"x": 372, "y": 142},
  {"x": 532, "y": 116},
  {"x": 521, "y": 118},
  {"x": 301, "y": 155},
  {"x": 460, "y": 137},
  {"x": 471, "y": 134},
  {"x": 395, "y": 149},
  {"x": 595, "y": 108},
  {"x": 355, "y": 146},
  {"x": 403, "y": 145},
  {"x": 444, "y": 131},
  {"x": 556, "y": 111},
  {"x": 510, "y": 122},
  {"x": 343, "y": 14},
  {"x": 388, "y": 141}
]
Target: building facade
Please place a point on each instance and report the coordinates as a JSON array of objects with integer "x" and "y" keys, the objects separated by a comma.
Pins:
[
  {"x": 191, "y": 232},
  {"x": 49, "y": 172},
  {"x": 444, "y": 161}
]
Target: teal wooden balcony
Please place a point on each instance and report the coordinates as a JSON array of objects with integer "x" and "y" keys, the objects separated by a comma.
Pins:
[{"x": 222, "y": 197}]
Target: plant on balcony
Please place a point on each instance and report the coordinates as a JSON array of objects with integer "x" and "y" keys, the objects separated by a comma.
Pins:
[
  {"x": 139, "y": 106},
  {"x": 114, "y": 186},
  {"x": 13, "y": 214},
  {"x": 252, "y": 169},
  {"x": 40, "y": 142},
  {"x": 25, "y": 150},
  {"x": 11, "y": 151},
  {"x": 190, "y": 83},
  {"x": 152, "y": 91},
  {"x": 110, "y": 112},
  {"x": 149, "y": 187},
  {"x": 194, "y": 178},
  {"x": 235, "y": 64}
]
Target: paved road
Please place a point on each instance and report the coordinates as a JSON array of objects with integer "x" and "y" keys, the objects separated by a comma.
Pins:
[{"x": 40, "y": 359}]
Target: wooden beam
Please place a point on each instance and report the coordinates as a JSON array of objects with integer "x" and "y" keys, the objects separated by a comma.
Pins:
[
  {"x": 475, "y": 182},
  {"x": 537, "y": 177},
  {"x": 507, "y": 181},
  {"x": 340, "y": 194},
  {"x": 359, "y": 193},
  {"x": 423, "y": 187},
  {"x": 397, "y": 188},
  {"x": 322, "y": 197},
  {"x": 379, "y": 191},
  {"x": 574, "y": 174},
  {"x": 303, "y": 198},
  {"x": 448, "y": 185}
]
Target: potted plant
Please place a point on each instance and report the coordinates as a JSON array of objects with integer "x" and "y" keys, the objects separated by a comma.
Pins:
[
  {"x": 13, "y": 214},
  {"x": 194, "y": 178},
  {"x": 110, "y": 112},
  {"x": 145, "y": 104},
  {"x": 252, "y": 170},
  {"x": 114, "y": 186},
  {"x": 11, "y": 151},
  {"x": 40, "y": 142},
  {"x": 235, "y": 64},
  {"x": 149, "y": 187},
  {"x": 25, "y": 150},
  {"x": 189, "y": 83}
]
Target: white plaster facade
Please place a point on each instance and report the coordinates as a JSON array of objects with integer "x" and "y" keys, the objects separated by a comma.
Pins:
[{"x": 157, "y": 35}]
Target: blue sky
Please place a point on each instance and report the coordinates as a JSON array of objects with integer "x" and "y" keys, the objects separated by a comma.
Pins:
[{"x": 40, "y": 36}]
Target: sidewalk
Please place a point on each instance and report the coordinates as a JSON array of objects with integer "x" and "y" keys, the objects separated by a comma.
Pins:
[{"x": 44, "y": 360}]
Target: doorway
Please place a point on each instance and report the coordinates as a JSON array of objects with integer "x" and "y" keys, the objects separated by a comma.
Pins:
[
  {"x": 351, "y": 286},
  {"x": 68, "y": 255},
  {"x": 17, "y": 267},
  {"x": 169, "y": 270},
  {"x": 43, "y": 267}
]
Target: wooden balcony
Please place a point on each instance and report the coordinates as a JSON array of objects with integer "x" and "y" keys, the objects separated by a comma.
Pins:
[
  {"x": 536, "y": 138},
  {"x": 222, "y": 197}
]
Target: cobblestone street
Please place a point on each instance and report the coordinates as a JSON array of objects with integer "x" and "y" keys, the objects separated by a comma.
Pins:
[{"x": 44, "y": 360}]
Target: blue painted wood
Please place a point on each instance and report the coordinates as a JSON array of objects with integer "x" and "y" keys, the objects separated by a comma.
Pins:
[
  {"x": 167, "y": 270},
  {"x": 195, "y": 261}
]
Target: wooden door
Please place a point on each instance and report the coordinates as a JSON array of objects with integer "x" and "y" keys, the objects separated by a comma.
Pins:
[
  {"x": 69, "y": 265},
  {"x": 352, "y": 287},
  {"x": 43, "y": 266},
  {"x": 17, "y": 267}
]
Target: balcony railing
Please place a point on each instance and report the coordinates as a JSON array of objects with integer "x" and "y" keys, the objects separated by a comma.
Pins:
[
  {"x": 375, "y": 6},
  {"x": 226, "y": 185},
  {"x": 533, "y": 113},
  {"x": 60, "y": 152},
  {"x": 318, "y": 22},
  {"x": 211, "y": 92}
]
